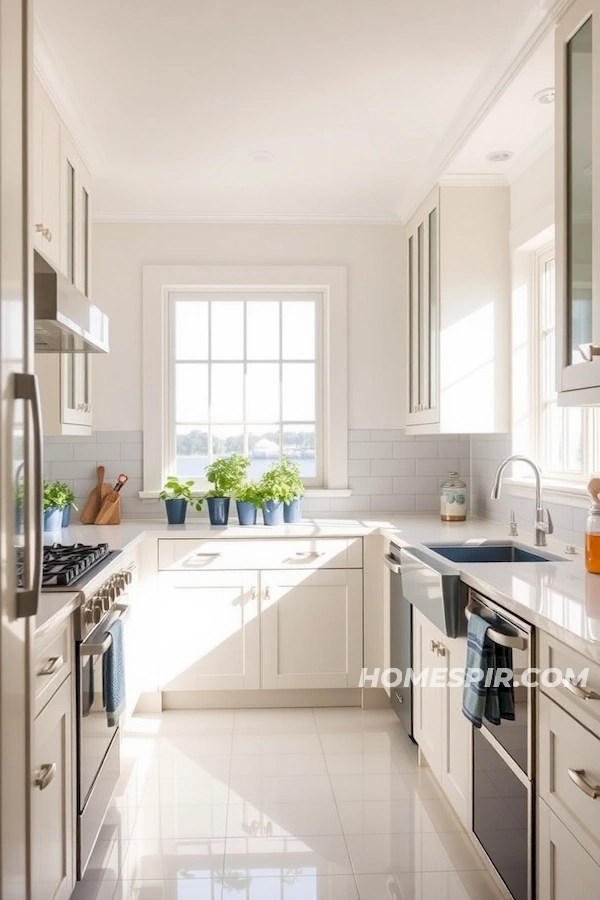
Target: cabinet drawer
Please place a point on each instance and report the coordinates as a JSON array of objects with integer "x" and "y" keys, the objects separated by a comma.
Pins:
[
  {"x": 51, "y": 665},
  {"x": 564, "y": 870},
  {"x": 296, "y": 553},
  {"x": 554, "y": 654},
  {"x": 569, "y": 759}
]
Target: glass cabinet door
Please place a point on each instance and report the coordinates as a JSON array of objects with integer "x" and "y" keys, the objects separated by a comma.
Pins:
[
  {"x": 577, "y": 123},
  {"x": 423, "y": 315}
]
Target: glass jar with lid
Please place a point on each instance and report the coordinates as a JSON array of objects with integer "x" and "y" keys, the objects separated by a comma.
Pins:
[{"x": 453, "y": 499}]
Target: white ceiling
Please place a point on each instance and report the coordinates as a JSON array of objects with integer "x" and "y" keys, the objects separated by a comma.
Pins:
[{"x": 352, "y": 97}]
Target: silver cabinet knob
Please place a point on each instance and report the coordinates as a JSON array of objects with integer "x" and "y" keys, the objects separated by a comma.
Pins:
[{"x": 44, "y": 776}]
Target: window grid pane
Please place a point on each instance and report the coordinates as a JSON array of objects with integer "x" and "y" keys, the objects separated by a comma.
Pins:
[{"x": 258, "y": 361}]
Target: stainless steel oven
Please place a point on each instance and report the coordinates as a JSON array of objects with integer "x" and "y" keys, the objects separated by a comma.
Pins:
[
  {"x": 98, "y": 766},
  {"x": 503, "y": 760}
]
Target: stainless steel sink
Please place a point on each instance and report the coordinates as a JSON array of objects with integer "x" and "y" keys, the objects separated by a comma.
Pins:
[
  {"x": 431, "y": 575},
  {"x": 491, "y": 552}
]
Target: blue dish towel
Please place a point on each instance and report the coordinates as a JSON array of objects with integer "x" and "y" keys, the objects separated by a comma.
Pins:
[
  {"x": 484, "y": 697},
  {"x": 113, "y": 674}
]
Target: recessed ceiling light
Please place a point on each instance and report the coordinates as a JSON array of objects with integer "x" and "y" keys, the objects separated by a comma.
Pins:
[
  {"x": 261, "y": 156},
  {"x": 500, "y": 155},
  {"x": 545, "y": 97}
]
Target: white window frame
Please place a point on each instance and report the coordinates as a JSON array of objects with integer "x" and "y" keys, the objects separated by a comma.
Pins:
[
  {"x": 328, "y": 281},
  {"x": 568, "y": 488}
]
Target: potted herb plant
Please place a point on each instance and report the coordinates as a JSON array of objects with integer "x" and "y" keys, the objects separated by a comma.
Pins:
[
  {"x": 226, "y": 474},
  {"x": 248, "y": 500},
  {"x": 177, "y": 496},
  {"x": 54, "y": 504},
  {"x": 69, "y": 499},
  {"x": 281, "y": 487}
]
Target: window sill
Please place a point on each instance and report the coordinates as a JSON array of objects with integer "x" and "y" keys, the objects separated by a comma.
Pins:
[
  {"x": 310, "y": 493},
  {"x": 564, "y": 493}
]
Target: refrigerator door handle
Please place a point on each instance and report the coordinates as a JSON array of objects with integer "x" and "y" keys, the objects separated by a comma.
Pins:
[{"x": 26, "y": 388}]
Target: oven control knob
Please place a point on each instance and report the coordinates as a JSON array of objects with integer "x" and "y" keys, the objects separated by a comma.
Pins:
[
  {"x": 88, "y": 615},
  {"x": 105, "y": 599},
  {"x": 98, "y": 611}
]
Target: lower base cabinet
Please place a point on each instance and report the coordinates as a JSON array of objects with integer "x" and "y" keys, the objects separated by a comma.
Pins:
[
  {"x": 271, "y": 629},
  {"x": 209, "y": 631},
  {"x": 565, "y": 870},
  {"x": 51, "y": 807},
  {"x": 441, "y": 730},
  {"x": 311, "y": 628}
]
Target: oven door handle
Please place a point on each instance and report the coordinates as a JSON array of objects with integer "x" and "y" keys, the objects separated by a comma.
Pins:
[
  {"x": 503, "y": 640},
  {"x": 87, "y": 649}
]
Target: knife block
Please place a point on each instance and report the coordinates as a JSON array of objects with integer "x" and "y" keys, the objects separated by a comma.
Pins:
[{"x": 110, "y": 510}]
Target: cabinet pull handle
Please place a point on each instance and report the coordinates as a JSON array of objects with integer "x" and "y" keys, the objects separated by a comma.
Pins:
[
  {"x": 253, "y": 593},
  {"x": 434, "y": 646},
  {"x": 52, "y": 666},
  {"x": 577, "y": 777},
  {"x": 589, "y": 351},
  {"x": 39, "y": 228},
  {"x": 441, "y": 650},
  {"x": 579, "y": 692},
  {"x": 205, "y": 555},
  {"x": 267, "y": 593},
  {"x": 47, "y": 234},
  {"x": 307, "y": 554},
  {"x": 44, "y": 776}
]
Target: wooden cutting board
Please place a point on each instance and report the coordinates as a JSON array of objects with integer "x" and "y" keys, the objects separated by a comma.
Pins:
[{"x": 94, "y": 502}]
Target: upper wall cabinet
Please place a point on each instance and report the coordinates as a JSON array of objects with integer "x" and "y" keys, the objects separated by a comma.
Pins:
[
  {"x": 578, "y": 204},
  {"x": 458, "y": 290},
  {"x": 46, "y": 176}
]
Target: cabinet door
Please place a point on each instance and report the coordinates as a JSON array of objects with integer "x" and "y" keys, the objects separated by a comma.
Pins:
[
  {"x": 564, "y": 870},
  {"x": 311, "y": 628},
  {"x": 209, "y": 631},
  {"x": 427, "y": 698},
  {"x": 456, "y": 739},
  {"x": 577, "y": 204},
  {"x": 46, "y": 176},
  {"x": 52, "y": 799},
  {"x": 75, "y": 389},
  {"x": 423, "y": 314}
]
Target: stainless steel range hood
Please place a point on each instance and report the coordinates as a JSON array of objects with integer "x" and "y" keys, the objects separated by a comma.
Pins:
[{"x": 65, "y": 320}]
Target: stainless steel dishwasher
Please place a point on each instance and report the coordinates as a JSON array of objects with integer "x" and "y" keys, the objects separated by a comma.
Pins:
[{"x": 400, "y": 641}]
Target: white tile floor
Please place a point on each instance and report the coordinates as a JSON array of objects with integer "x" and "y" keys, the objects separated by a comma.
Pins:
[{"x": 324, "y": 804}]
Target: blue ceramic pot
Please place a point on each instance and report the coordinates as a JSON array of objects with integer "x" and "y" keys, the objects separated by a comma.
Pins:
[
  {"x": 66, "y": 519},
  {"x": 292, "y": 511},
  {"x": 53, "y": 519},
  {"x": 176, "y": 510},
  {"x": 218, "y": 510},
  {"x": 272, "y": 512},
  {"x": 246, "y": 512}
]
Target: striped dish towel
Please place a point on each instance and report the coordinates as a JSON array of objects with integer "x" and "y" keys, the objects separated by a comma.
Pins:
[{"x": 481, "y": 696}]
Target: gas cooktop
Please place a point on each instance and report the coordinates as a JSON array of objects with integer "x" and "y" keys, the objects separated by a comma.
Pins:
[{"x": 69, "y": 566}]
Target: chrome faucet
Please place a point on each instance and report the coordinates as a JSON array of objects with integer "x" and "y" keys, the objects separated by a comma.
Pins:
[{"x": 543, "y": 524}]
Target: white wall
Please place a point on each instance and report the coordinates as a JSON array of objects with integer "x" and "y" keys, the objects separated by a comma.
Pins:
[{"x": 372, "y": 253}]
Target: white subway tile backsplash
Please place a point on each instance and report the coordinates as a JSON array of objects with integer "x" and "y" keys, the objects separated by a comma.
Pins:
[
  {"x": 372, "y": 485},
  {"x": 78, "y": 469},
  {"x": 360, "y": 467},
  {"x": 57, "y": 452},
  {"x": 392, "y": 466},
  {"x": 438, "y": 466},
  {"x": 453, "y": 449},
  {"x": 131, "y": 451},
  {"x": 97, "y": 453},
  {"x": 370, "y": 450},
  {"x": 390, "y": 434}
]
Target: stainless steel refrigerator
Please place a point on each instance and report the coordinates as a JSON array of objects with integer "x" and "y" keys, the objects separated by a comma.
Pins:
[{"x": 20, "y": 451}]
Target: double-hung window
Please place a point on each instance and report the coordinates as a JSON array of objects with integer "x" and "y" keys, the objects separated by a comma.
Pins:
[
  {"x": 245, "y": 359},
  {"x": 245, "y": 377}
]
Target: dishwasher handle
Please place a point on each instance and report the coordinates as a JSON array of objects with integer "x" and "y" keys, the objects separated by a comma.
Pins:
[{"x": 391, "y": 563}]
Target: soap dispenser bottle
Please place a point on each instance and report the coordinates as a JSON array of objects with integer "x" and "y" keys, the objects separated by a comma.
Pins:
[{"x": 592, "y": 529}]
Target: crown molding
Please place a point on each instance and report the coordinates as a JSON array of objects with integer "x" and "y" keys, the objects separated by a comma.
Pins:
[
  {"x": 180, "y": 219},
  {"x": 474, "y": 179},
  {"x": 528, "y": 34},
  {"x": 51, "y": 75}
]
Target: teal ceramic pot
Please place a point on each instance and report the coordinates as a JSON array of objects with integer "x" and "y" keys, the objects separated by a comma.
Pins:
[
  {"x": 272, "y": 512},
  {"x": 53, "y": 519},
  {"x": 246, "y": 512},
  {"x": 292, "y": 512},
  {"x": 218, "y": 510},
  {"x": 176, "y": 511},
  {"x": 66, "y": 518}
]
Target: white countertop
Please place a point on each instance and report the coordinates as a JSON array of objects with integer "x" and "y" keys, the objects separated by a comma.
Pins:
[{"x": 561, "y": 598}]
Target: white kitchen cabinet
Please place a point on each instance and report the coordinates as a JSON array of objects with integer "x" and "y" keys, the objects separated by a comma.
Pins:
[
  {"x": 564, "y": 870},
  {"x": 46, "y": 176},
  {"x": 577, "y": 140},
  {"x": 209, "y": 631},
  {"x": 311, "y": 628},
  {"x": 52, "y": 801},
  {"x": 140, "y": 636},
  {"x": 458, "y": 290},
  {"x": 441, "y": 730},
  {"x": 65, "y": 393}
]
